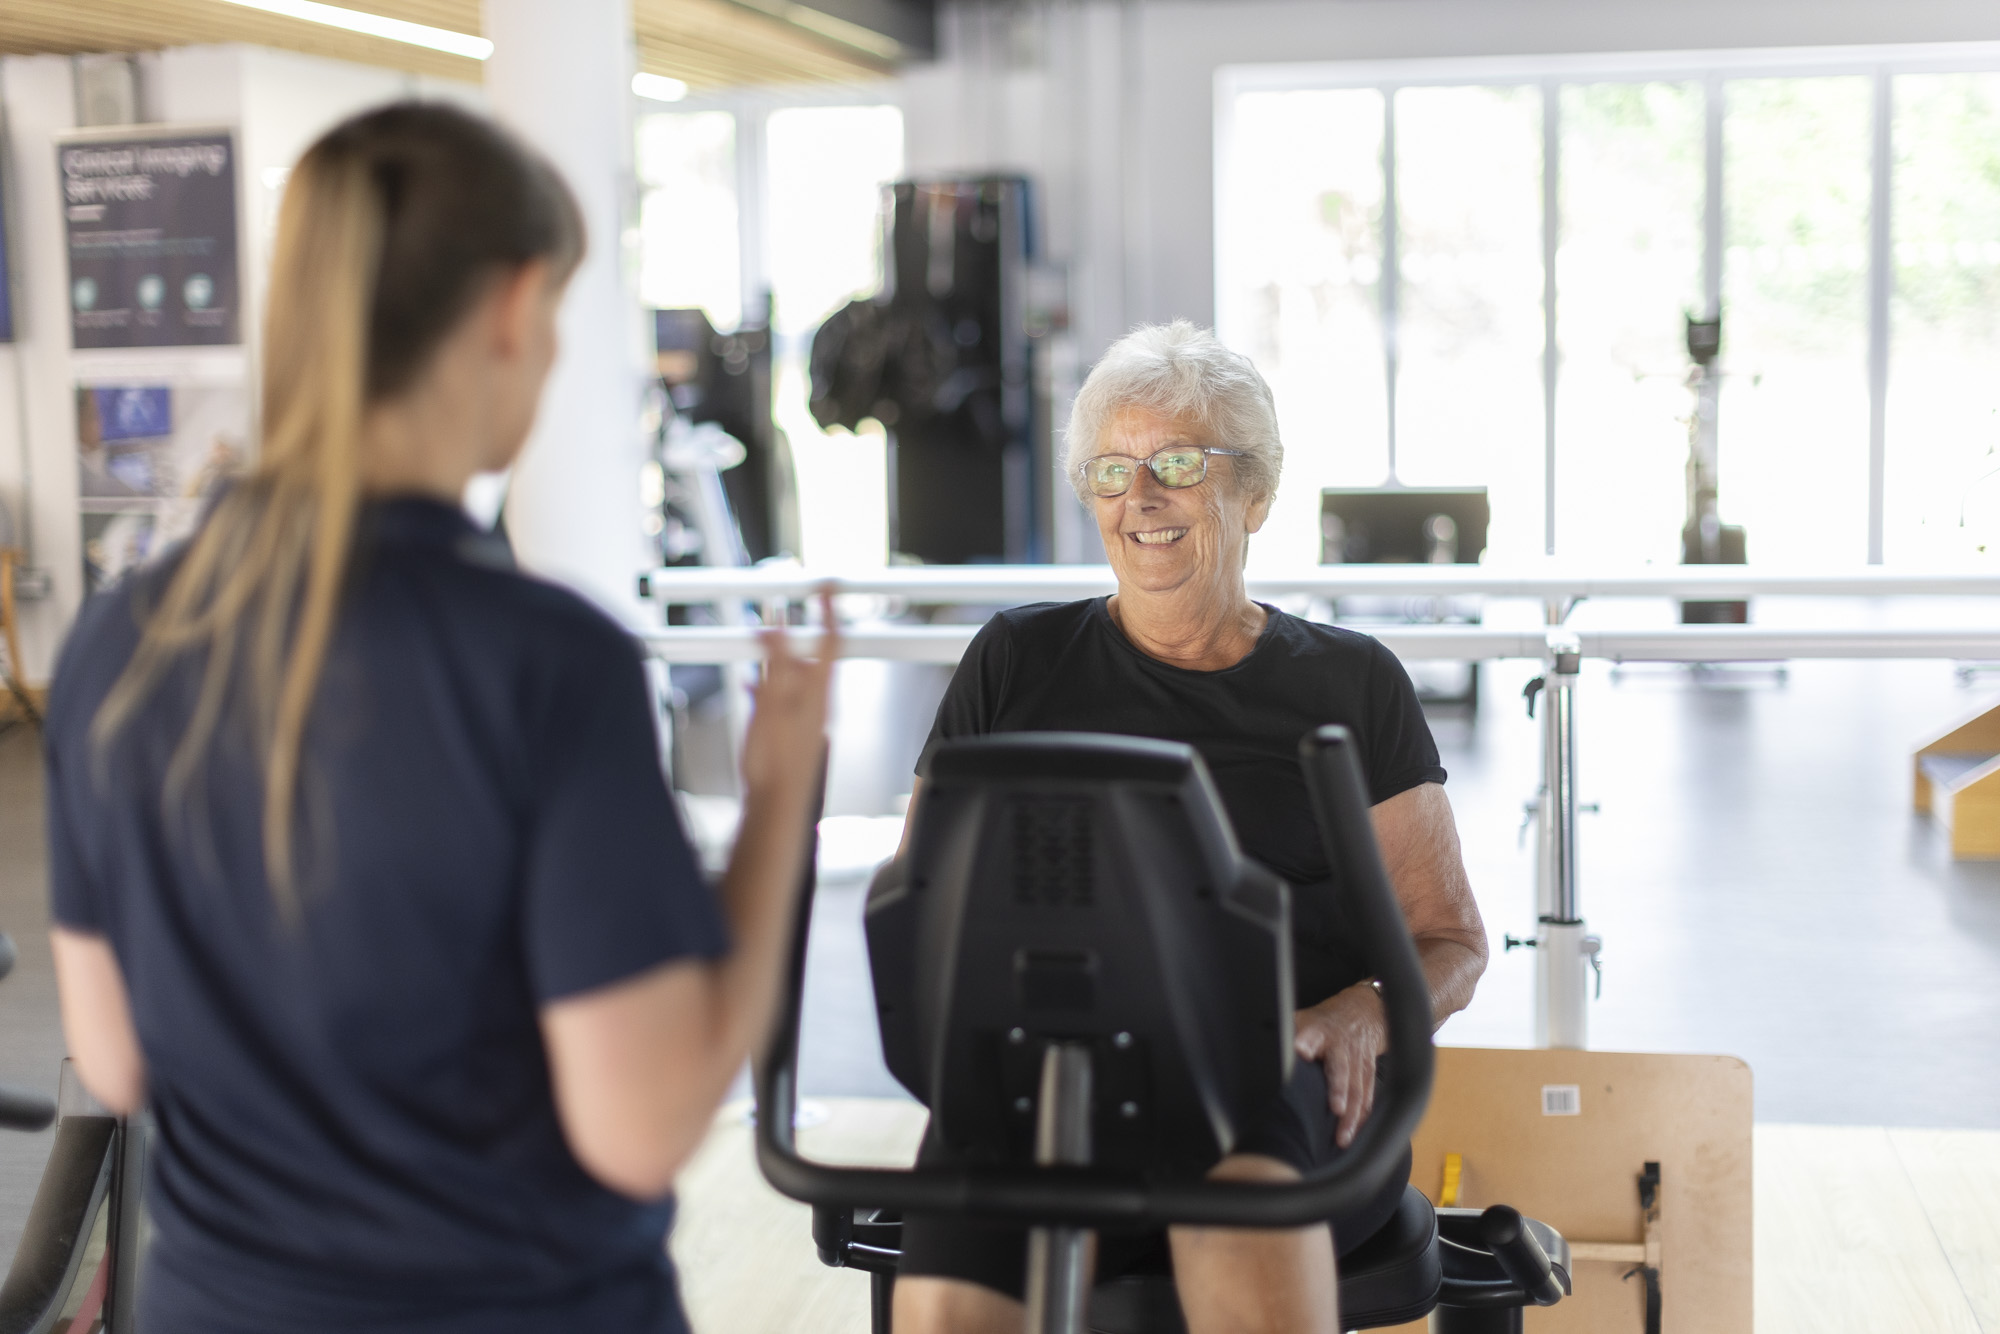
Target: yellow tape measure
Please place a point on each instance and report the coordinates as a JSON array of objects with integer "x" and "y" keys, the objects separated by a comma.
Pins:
[{"x": 1454, "y": 1166}]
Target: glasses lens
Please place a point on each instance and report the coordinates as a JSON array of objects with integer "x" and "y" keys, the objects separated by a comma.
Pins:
[
  {"x": 1179, "y": 467},
  {"x": 1109, "y": 475}
]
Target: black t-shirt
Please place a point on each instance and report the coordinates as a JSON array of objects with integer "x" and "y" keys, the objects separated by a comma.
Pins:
[
  {"x": 355, "y": 1122},
  {"x": 1066, "y": 667}
]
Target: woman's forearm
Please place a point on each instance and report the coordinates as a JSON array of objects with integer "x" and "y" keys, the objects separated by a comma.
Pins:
[
  {"x": 1451, "y": 969},
  {"x": 759, "y": 895},
  {"x": 97, "y": 1020}
]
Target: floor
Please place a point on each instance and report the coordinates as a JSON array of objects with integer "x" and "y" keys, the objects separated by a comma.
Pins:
[
  {"x": 31, "y": 1045},
  {"x": 1858, "y": 1230}
]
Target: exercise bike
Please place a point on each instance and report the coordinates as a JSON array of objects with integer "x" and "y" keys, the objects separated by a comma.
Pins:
[{"x": 1089, "y": 985}]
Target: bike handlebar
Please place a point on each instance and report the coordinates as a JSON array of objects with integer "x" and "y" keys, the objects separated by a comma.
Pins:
[{"x": 1089, "y": 1197}]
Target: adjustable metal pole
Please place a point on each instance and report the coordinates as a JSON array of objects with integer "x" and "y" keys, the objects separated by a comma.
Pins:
[
  {"x": 1564, "y": 952},
  {"x": 1062, "y": 1260}
]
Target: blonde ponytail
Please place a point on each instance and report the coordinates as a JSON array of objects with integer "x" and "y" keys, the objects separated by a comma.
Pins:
[
  {"x": 387, "y": 227},
  {"x": 260, "y": 584}
]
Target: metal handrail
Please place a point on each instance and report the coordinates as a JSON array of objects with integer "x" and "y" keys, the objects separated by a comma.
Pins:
[
  {"x": 1014, "y": 584},
  {"x": 1454, "y": 643}
]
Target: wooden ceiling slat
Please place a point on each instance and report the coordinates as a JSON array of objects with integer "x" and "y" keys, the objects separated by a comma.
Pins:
[
  {"x": 51, "y": 27},
  {"x": 751, "y": 31},
  {"x": 707, "y": 43}
]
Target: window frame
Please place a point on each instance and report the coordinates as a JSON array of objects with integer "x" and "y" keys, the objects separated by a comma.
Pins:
[{"x": 752, "y": 109}]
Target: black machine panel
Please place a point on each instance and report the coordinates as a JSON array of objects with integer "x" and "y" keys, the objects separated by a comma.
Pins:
[
  {"x": 1401, "y": 525},
  {"x": 1038, "y": 860},
  {"x": 941, "y": 357}
]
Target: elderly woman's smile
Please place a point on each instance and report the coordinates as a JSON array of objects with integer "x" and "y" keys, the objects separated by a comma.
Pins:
[{"x": 1175, "y": 516}]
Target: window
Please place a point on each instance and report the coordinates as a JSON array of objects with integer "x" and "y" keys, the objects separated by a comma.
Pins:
[
  {"x": 784, "y": 201},
  {"x": 1793, "y": 421},
  {"x": 1469, "y": 341},
  {"x": 1301, "y": 290},
  {"x": 1943, "y": 474},
  {"x": 1627, "y": 269},
  {"x": 1515, "y": 251},
  {"x": 688, "y": 247}
]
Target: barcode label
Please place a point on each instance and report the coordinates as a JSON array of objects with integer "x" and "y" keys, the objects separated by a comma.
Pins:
[{"x": 1562, "y": 1100}]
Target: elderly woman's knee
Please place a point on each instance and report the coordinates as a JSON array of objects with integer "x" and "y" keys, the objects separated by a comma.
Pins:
[{"x": 952, "y": 1306}]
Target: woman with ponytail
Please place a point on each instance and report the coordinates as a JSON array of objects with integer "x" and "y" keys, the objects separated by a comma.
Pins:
[{"x": 366, "y": 880}]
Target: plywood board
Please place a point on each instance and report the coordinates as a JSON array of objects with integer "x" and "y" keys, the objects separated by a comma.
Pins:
[
  {"x": 745, "y": 1253},
  {"x": 1579, "y": 1173}
]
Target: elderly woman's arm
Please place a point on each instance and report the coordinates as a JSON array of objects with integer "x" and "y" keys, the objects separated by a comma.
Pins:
[{"x": 1346, "y": 1032}]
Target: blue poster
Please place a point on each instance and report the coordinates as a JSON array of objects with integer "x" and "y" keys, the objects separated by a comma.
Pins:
[{"x": 134, "y": 412}]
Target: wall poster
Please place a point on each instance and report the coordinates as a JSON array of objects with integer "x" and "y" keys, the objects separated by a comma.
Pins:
[
  {"x": 151, "y": 223},
  {"x": 148, "y": 457}
]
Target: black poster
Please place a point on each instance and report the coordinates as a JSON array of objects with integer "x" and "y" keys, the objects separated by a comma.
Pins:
[{"x": 152, "y": 240}]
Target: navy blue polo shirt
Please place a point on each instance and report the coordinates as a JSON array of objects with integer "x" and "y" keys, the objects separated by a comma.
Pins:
[{"x": 355, "y": 1121}]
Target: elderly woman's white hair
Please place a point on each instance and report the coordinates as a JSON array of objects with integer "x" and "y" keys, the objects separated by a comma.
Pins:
[{"x": 1183, "y": 372}]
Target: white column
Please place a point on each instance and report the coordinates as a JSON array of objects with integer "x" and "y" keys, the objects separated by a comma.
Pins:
[{"x": 560, "y": 76}]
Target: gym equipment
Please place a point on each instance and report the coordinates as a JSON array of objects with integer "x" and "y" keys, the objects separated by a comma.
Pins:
[
  {"x": 724, "y": 381},
  {"x": 1403, "y": 525},
  {"x": 1642, "y": 1160},
  {"x": 1089, "y": 985},
  {"x": 1408, "y": 525},
  {"x": 1706, "y": 539},
  {"x": 1957, "y": 783},
  {"x": 78, "y": 1262},
  {"x": 942, "y": 358}
]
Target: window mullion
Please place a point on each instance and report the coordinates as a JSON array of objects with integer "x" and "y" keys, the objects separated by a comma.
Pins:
[
  {"x": 1551, "y": 224},
  {"x": 1881, "y": 283},
  {"x": 1392, "y": 276}
]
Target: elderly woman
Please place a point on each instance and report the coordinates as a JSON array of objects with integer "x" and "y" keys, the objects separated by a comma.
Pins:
[{"x": 1174, "y": 448}]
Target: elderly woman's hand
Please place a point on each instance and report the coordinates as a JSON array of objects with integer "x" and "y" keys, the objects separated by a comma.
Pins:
[{"x": 1345, "y": 1034}]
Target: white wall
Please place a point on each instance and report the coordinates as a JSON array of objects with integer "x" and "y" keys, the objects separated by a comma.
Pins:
[{"x": 279, "y": 102}]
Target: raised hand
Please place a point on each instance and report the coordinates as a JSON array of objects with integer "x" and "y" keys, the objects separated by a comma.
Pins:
[{"x": 787, "y": 733}]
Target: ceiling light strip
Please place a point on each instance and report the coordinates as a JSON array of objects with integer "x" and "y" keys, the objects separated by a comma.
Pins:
[{"x": 376, "y": 25}]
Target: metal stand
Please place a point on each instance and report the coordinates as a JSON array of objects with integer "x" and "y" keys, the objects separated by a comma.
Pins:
[
  {"x": 696, "y": 456},
  {"x": 1564, "y": 952},
  {"x": 1062, "y": 1260}
]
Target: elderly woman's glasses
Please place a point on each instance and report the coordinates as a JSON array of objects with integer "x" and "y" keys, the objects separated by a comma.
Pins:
[{"x": 1176, "y": 467}]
